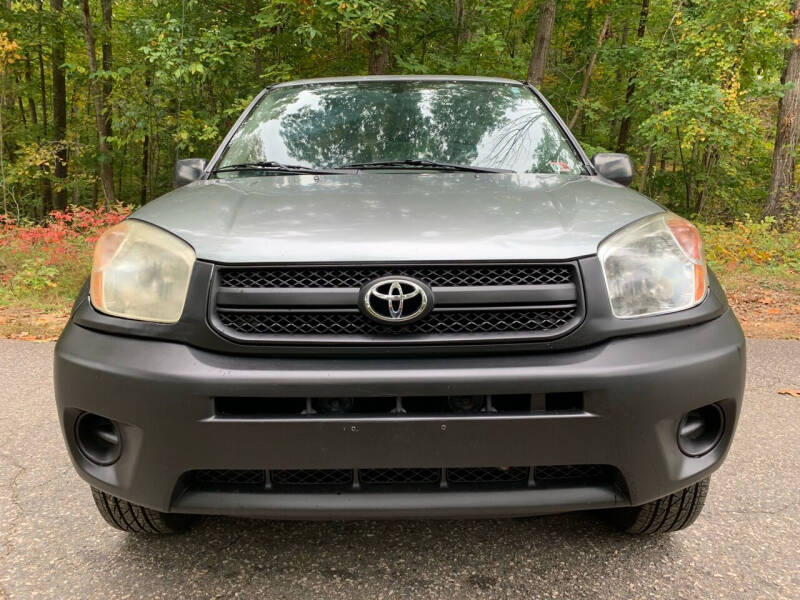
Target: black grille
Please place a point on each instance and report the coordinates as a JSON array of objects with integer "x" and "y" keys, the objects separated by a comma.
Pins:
[
  {"x": 230, "y": 477},
  {"x": 559, "y": 472},
  {"x": 322, "y": 480},
  {"x": 487, "y": 475},
  {"x": 356, "y": 276},
  {"x": 478, "y": 302},
  {"x": 351, "y": 323},
  {"x": 302, "y": 477},
  {"x": 391, "y": 406},
  {"x": 399, "y": 476}
]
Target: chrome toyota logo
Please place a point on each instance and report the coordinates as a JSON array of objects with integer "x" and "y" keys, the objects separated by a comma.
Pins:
[{"x": 396, "y": 300}]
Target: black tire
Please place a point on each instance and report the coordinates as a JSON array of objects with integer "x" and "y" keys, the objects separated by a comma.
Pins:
[
  {"x": 670, "y": 513},
  {"x": 133, "y": 518}
]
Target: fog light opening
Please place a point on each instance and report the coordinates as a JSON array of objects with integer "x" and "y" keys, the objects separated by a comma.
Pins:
[
  {"x": 700, "y": 430},
  {"x": 98, "y": 439}
]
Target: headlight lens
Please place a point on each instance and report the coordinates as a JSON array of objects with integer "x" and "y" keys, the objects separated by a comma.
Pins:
[
  {"x": 141, "y": 272},
  {"x": 654, "y": 266}
]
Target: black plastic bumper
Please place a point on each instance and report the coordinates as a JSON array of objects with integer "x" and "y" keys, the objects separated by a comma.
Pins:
[{"x": 636, "y": 389}]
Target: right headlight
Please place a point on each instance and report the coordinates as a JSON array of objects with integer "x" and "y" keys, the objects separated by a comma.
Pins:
[
  {"x": 654, "y": 266},
  {"x": 141, "y": 272}
]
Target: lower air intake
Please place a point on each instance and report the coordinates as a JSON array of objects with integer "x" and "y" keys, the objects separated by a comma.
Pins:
[{"x": 343, "y": 480}]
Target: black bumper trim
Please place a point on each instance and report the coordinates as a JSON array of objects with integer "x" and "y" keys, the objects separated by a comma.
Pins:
[{"x": 479, "y": 504}]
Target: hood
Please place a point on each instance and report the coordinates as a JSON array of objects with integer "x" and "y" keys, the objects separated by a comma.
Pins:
[{"x": 395, "y": 217}]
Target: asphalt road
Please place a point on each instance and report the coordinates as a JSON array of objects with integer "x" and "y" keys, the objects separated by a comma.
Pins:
[{"x": 745, "y": 545}]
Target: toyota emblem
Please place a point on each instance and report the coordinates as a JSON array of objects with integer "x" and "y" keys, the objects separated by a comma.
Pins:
[{"x": 396, "y": 300}]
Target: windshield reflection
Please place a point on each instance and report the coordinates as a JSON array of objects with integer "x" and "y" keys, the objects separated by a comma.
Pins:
[{"x": 327, "y": 126}]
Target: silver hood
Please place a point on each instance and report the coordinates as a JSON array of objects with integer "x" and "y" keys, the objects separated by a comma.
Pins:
[{"x": 389, "y": 217}]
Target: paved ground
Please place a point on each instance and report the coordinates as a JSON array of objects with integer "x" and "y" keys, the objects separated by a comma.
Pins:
[{"x": 745, "y": 545}]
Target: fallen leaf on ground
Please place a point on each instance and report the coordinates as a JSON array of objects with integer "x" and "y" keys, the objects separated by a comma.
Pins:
[{"x": 792, "y": 393}]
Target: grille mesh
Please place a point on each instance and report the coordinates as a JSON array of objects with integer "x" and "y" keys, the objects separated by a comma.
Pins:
[
  {"x": 230, "y": 477},
  {"x": 399, "y": 476},
  {"x": 342, "y": 479},
  {"x": 556, "y": 472},
  {"x": 488, "y": 321},
  {"x": 434, "y": 276},
  {"x": 487, "y": 475},
  {"x": 311, "y": 477}
]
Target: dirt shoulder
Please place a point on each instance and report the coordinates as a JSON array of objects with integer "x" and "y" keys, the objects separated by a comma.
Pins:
[
  {"x": 32, "y": 324},
  {"x": 766, "y": 312}
]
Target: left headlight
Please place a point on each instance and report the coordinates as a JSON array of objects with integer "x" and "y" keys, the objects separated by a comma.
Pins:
[
  {"x": 654, "y": 266},
  {"x": 141, "y": 272}
]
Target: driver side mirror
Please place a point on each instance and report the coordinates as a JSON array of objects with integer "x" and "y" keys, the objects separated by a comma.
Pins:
[
  {"x": 614, "y": 166},
  {"x": 188, "y": 170}
]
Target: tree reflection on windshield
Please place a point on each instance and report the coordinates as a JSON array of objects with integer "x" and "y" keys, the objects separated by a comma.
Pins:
[{"x": 469, "y": 123}]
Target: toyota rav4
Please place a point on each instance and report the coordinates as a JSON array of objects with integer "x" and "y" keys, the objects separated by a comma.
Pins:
[{"x": 397, "y": 297}]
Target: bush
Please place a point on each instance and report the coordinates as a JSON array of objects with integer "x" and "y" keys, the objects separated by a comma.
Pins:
[
  {"x": 754, "y": 246},
  {"x": 43, "y": 266}
]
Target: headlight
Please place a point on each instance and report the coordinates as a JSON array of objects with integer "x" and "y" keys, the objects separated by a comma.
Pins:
[
  {"x": 654, "y": 266},
  {"x": 141, "y": 272}
]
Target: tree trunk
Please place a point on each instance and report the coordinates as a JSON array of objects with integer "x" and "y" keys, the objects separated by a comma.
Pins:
[
  {"x": 22, "y": 115},
  {"x": 106, "y": 168},
  {"x": 587, "y": 77},
  {"x": 31, "y": 99},
  {"x": 59, "y": 106},
  {"x": 146, "y": 146},
  {"x": 258, "y": 54},
  {"x": 615, "y": 122},
  {"x": 458, "y": 17},
  {"x": 47, "y": 188},
  {"x": 108, "y": 64},
  {"x": 625, "y": 126},
  {"x": 462, "y": 33},
  {"x": 541, "y": 42},
  {"x": 2, "y": 140},
  {"x": 42, "y": 89},
  {"x": 781, "y": 187},
  {"x": 145, "y": 165},
  {"x": 378, "y": 51},
  {"x": 648, "y": 160}
]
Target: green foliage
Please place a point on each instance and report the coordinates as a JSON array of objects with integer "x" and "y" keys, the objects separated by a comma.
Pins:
[
  {"x": 706, "y": 79},
  {"x": 754, "y": 246},
  {"x": 35, "y": 274}
]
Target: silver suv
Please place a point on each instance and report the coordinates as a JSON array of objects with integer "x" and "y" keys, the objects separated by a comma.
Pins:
[{"x": 390, "y": 297}]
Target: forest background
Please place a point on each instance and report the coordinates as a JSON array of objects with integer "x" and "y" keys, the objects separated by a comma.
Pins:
[{"x": 99, "y": 97}]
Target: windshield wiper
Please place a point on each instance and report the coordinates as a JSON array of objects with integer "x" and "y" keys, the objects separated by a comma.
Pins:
[
  {"x": 421, "y": 163},
  {"x": 272, "y": 165}
]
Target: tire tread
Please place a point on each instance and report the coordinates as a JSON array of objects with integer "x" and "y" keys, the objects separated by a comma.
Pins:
[
  {"x": 670, "y": 513},
  {"x": 132, "y": 518}
]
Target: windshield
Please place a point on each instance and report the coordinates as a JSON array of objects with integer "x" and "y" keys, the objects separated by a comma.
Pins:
[{"x": 333, "y": 125}]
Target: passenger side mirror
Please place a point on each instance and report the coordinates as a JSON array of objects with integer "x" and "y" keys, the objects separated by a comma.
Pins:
[
  {"x": 188, "y": 170},
  {"x": 614, "y": 166}
]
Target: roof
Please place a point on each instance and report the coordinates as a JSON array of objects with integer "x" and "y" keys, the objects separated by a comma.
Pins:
[{"x": 364, "y": 78}]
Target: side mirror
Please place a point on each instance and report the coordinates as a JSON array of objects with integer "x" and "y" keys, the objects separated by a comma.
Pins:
[
  {"x": 614, "y": 166},
  {"x": 188, "y": 170}
]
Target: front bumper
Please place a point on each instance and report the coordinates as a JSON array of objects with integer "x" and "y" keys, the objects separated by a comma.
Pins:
[{"x": 635, "y": 390}]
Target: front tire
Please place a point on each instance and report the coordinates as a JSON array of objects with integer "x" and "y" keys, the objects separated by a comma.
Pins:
[
  {"x": 670, "y": 513},
  {"x": 132, "y": 518}
]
